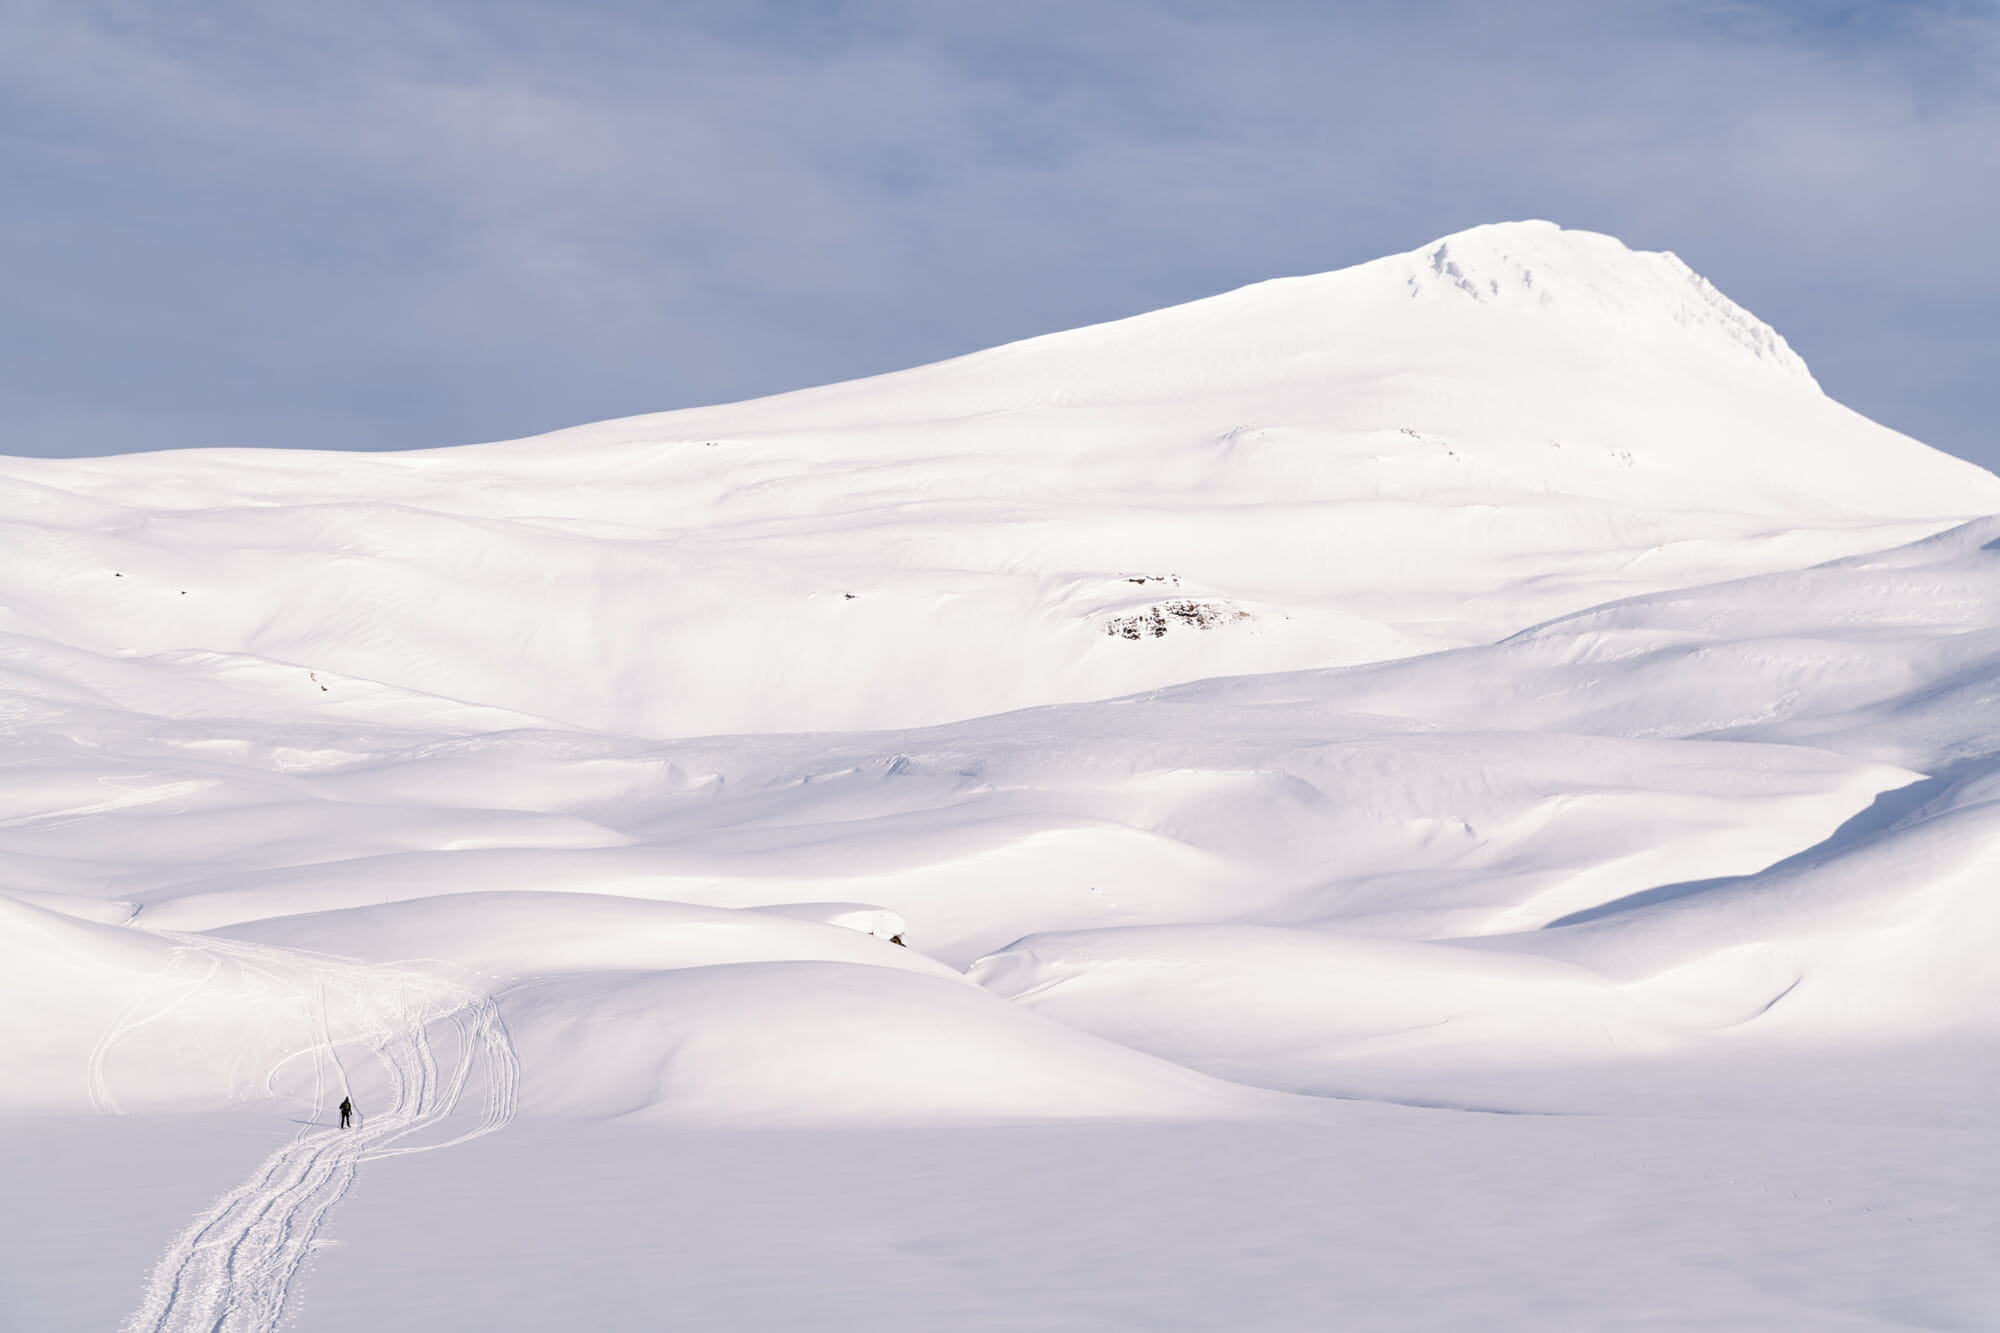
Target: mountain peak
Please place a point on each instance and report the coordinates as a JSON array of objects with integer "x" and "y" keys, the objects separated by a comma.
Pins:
[
  {"x": 1539, "y": 263},
  {"x": 1520, "y": 308}
]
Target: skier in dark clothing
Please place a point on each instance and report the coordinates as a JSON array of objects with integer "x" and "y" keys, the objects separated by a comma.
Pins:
[{"x": 346, "y": 1111}]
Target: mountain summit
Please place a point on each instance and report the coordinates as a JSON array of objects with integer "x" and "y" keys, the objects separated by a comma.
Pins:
[
  {"x": 1539, "y": 264},
  {"x": 1467, "y": 296}
]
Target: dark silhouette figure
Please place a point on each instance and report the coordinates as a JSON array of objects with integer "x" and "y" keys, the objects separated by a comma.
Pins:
[{"x": 346, "y": 1111}]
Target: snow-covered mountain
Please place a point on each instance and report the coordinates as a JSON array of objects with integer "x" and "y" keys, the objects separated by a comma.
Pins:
[
  {"x": 1430, "y": 451},
  {"x": 1494, "y": 676}
]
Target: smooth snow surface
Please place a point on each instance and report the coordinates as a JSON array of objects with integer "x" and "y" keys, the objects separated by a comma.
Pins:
[
  {"x": 1425, "y": 452},
  {"x": 1490, "y": 679}
]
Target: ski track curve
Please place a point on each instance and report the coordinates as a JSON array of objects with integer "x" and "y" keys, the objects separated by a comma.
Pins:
[{"x": 232, "y": 1270}]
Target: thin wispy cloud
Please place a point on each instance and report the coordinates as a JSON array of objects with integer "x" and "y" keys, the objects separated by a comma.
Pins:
[{"x": 377, "y": 225}]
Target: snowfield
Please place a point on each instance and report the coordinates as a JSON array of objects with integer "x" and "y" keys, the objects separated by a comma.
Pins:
[{"x": 1461, "y": 792}]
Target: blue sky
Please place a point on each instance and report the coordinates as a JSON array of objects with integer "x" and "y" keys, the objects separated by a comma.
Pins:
[{"x": 389, "y": 225}]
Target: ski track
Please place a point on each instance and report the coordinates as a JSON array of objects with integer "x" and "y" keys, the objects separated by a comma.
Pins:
[{"x": 233, "y": 1268}]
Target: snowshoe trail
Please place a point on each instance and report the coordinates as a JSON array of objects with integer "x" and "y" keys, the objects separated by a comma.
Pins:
[{"x": 232, "y": 1270}]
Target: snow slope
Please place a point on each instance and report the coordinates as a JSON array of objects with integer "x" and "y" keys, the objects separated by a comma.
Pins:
[
  {"x": 1494, "y": 676},
  {"x": 1429, "y": 451}
]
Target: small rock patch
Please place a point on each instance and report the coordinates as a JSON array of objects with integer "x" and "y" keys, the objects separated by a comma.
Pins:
[{"x": 1155, "y": 621}]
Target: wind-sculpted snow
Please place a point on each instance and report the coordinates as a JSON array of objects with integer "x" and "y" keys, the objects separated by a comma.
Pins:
[{"x": 1492, "y": 677}]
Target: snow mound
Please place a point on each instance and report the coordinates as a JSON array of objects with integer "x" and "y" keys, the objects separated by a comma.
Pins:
[
  {"x": 1299, "y": 1010},
  {"x": 511, "y": 935},
  {"x": 771, "y": 1043},
  {"x": 64, "y": 984},
  {"x": 867, "y": 918}
]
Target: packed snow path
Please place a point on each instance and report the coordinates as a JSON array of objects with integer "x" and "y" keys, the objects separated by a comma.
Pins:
[{"x": 231, "y": 1270}]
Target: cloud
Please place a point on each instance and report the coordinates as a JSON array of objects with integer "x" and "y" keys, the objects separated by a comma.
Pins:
[{"x": 394, "y": 225}]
